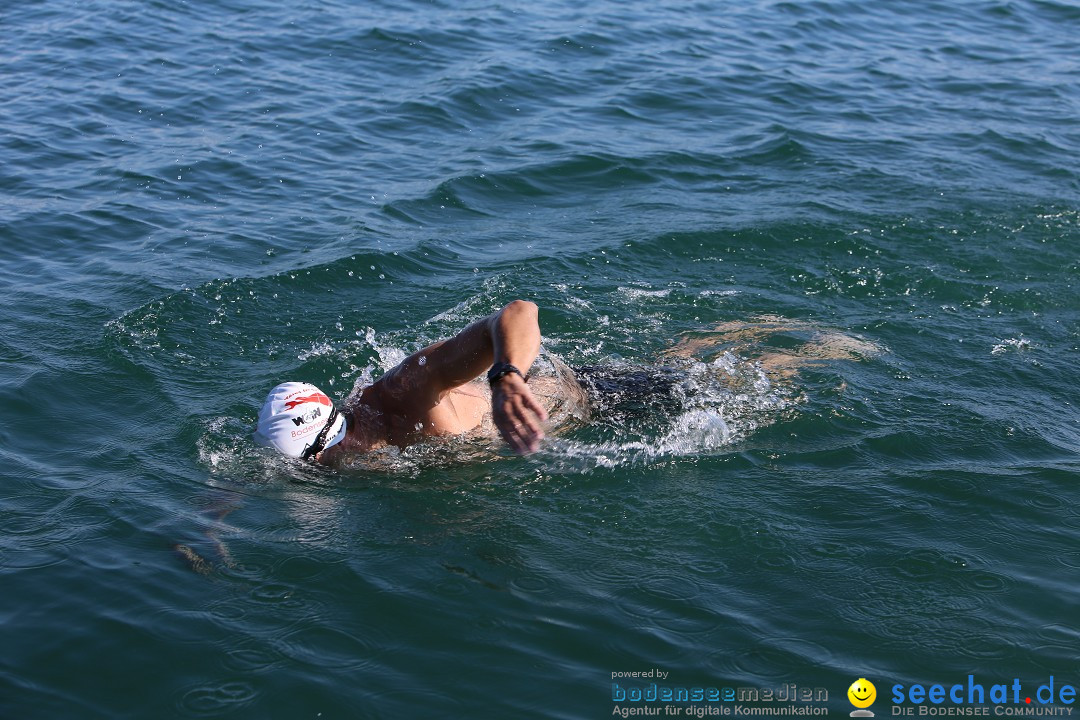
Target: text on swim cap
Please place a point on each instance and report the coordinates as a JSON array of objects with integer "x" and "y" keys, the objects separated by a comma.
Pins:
[{"x": 307, "y": 417}]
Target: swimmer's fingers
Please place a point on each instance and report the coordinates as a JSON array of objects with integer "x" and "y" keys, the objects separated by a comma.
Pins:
[
  {"x": 517, "y": 414},
  {"x": 533, "y": 404},
  {"x": 500, "y": 413},
  {"x": 517, "y": 440},
  {"x": 519, "y": 426},
  {"x": 511, "y": 432},
  {"x": 530, "y": 414}
]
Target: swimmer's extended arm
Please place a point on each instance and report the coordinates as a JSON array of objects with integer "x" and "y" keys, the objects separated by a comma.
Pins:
[
  {"x": 511, "y": 335},
  {"x": 516, "y": 412}
]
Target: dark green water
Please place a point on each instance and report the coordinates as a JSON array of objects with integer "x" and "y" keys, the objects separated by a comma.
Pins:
[{"x": 199, "y": 200}]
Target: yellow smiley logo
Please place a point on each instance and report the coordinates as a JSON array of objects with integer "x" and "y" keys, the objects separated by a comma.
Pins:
[{"x": 862, "y": 693}]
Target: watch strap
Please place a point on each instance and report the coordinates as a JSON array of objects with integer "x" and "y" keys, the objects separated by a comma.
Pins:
[{"x": 501, "y": 369}]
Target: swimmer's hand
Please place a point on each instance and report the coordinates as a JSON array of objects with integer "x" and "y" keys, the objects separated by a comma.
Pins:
[{"x": 517, "y": 414}]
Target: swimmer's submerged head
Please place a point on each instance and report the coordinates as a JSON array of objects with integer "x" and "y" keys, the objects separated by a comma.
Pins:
[{"x": 299, "y": 420}]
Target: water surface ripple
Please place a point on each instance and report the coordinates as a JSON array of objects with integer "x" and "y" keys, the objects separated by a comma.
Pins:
[{"x": 198, "y": 200}]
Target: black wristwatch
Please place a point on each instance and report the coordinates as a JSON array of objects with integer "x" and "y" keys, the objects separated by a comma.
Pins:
[{"x": 500, "y": 370}]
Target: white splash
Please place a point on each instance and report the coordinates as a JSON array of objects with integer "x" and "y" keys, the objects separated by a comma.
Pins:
[{"x": 1018, "y": 344}]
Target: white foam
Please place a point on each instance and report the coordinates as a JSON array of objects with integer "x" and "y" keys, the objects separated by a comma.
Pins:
[
  {"x": 1018, "y": 344},
  {"x": 639, "y": 293}
]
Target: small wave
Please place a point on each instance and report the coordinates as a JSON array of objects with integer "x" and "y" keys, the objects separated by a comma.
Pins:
[
  {"x": 640, "y": 293},
  {"x": 1017, "y": 344}
]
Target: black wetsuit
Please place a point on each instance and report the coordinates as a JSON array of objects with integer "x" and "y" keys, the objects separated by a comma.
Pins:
[{"x": 619, "y": 390}]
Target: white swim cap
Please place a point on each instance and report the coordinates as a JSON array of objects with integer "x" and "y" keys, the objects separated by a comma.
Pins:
[{"x": 299, "y": 420}]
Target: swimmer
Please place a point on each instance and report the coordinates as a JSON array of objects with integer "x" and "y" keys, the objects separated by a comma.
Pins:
[
  {"x": 432, "y": 392},
  {"x": 438, "y": 391}
]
